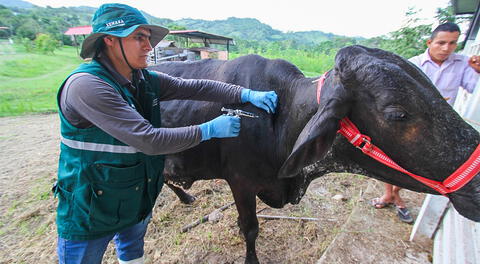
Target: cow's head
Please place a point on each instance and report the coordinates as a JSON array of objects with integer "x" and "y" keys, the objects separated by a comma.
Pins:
[{"x": 393, "y": 102}]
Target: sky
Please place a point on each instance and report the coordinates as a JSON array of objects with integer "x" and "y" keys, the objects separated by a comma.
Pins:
[{"x": 365, "y": 18}]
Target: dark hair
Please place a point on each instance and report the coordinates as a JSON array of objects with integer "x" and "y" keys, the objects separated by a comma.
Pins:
[
  {"x": 99, "y": 46},
  {"x": 449, "y": 27}
]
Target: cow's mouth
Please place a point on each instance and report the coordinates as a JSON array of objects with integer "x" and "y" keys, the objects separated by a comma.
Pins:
[{"x": 467, "y": 202}]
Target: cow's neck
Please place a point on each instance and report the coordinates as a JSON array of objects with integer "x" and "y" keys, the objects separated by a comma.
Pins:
[{"x": 294, "y": 115}]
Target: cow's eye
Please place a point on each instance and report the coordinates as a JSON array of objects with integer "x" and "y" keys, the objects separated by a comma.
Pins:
[{"x": 395, "y": 114}]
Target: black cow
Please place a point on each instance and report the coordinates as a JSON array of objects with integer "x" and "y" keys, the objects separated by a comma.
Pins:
[{"x": 387, "y": 97}]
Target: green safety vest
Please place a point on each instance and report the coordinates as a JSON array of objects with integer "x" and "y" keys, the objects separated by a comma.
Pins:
[{"x": 104, "y": 185}]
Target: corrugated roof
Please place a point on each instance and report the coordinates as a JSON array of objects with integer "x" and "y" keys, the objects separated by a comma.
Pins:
[
  {"x": 165, "y": 44},
  {"x": 82, "y": 30},
  {"x": 196, "y": 36}
]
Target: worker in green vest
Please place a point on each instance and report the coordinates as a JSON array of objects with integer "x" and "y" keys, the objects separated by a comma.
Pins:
[{"x": 112, "y": 142}]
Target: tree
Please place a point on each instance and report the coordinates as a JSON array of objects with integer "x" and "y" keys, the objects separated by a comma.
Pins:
[
  {"x": 445, "y": 15},
  {"x": 44, "y": 43},
  {"x": 7, "y": 19},
  {"x": 410, "y": 40},
  {"x": 28, "y": 29}
]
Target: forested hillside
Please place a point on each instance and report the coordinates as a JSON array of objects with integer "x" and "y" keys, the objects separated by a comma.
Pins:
[
  {"x": 252, "y": 29},
  {"x": 16, "y": 3},
  {"x": 27, "y": 23},
  {"x": 26, "y": 20}
]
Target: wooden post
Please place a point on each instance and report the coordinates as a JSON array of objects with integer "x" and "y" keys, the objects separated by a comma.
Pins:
[{"x": 76, "y": 44}]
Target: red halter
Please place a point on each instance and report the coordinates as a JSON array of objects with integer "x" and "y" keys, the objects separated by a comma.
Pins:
[{"x": 455, "y": 181}]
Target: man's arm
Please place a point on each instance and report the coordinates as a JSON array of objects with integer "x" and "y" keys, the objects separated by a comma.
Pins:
[
  {"x": 471, "y": 74},
  {"x": 198, "y": 89},
  {"x": 96, "y": 103},
  {"x": 215, "y": 91},
  {"x": 474, "y": 62}
]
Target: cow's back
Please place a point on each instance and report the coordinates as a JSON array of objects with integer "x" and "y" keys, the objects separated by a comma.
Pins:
[
  {"x": 260, "y": 149},
  {"x": 250, "y": 71},
  {"x": 202, "y": 69}
]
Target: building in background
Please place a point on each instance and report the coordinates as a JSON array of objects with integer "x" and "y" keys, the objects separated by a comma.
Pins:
[
  {"x": 192, "y": 45},
  {"x": 179, "y": 45}
]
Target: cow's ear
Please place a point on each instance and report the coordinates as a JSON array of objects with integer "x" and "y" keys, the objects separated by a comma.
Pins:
[{"x": 317, "y": 136}]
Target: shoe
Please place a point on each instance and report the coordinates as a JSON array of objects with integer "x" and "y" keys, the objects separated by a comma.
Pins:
[
  {"x": 404, "y": 215},
  {"x": 378, "y": 204}
]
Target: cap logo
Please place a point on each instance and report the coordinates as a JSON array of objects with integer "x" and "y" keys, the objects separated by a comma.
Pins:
[{"x": 116, "y": 23}]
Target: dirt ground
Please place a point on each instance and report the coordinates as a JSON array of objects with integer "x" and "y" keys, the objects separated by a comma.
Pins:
[{"x": 347, "y": 230}]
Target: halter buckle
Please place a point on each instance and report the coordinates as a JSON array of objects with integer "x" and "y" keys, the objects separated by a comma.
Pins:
[{"x": 366, "y": 145}]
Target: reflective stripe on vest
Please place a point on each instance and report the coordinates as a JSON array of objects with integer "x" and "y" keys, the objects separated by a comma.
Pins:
[{"x": 98, "y": 146}]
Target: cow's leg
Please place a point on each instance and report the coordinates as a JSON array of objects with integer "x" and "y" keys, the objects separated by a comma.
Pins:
[
  {"x": 181, "y": 194},
  {"x": 245, "y": 200}
]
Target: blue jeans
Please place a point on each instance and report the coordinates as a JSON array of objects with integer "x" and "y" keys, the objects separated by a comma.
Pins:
[{"x": 128, "y": 244}]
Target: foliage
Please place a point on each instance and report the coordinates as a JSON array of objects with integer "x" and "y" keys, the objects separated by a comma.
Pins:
[
  {"x": 310, "y": 61},
  {"x": 28, "y": 23},
  {"x": 173, "y": 26},
  {"x": 27, "y": 44},
  {"x": 310, "y": 37},
  {"x": 445, "y": 15},
  {"x": 410, "y": 40},
  {"x": 45, "y": 44},
  {"x": 29, "y": 28},
  {"x": 7, "y": 19},
  {"x": 253, "y": 30}
]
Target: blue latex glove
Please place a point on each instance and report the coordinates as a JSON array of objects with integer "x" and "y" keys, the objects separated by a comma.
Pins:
[
  {"x": 265, "y": 100},
  {"x": 221, "y": 127}
]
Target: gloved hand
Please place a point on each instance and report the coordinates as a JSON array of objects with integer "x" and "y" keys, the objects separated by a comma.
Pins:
[
  {"x": 265, "y": 100},
  {"x": 221, "y": 127}
]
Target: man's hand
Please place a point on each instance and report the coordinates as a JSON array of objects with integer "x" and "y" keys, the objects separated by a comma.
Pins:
[
  {"x": 221, "y": 127},
  {"x": 265, "y": 100},
  {"x": 474, "y": 62}
]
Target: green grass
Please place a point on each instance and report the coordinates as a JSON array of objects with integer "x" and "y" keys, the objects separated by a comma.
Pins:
[
  {"x": 310, "y": 63},
  {"x": 29, "y": 81}
]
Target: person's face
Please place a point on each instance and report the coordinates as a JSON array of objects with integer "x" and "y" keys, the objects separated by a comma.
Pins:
[
  {"x": 136, "y": 47},
  {"x": 442, "y": 45}
]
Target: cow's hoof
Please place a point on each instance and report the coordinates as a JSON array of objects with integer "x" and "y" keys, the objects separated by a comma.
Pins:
[
  {"x": 181, "y": 194},
  {"x": 252, "y": 260},
  {"x": 187, "y": 198}
]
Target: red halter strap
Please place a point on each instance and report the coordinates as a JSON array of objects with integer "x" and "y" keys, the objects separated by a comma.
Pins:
[
  {"x": 454, "y": 182},
  {"x": 320, "y": 82}
]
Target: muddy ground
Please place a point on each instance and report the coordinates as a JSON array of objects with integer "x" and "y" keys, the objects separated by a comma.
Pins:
[{"x": 348, "y": 230}]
